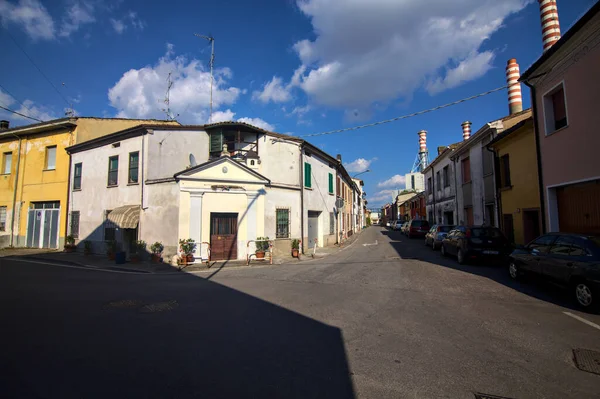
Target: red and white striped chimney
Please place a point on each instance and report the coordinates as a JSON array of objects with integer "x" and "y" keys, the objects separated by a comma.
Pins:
[
  {"x": 466, "y": 126},
  {"x": 550, "y": 25},
  {"x": 422, "y": 149},
  {"x": 515, "y": 100}
]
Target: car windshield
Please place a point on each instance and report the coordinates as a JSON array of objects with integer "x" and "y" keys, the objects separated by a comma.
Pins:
[
  {"x": 444, "y": 229},
  {"x": 488, "y": 232}
]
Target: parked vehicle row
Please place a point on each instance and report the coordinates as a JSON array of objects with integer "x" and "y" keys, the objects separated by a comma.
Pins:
[{"x": 436, "y": 234}]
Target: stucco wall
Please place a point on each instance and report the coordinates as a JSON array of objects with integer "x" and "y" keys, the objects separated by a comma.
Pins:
[
  {"x": 91, "y": 128},
  {"x": 284, "y": 199},
  {"x": 279, "y": 161},
  {"x": 159, "y": 221},
  {"x": 169, "y": 151}
]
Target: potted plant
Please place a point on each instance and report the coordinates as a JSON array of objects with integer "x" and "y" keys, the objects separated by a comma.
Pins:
[
  {"x": 139, "y": 248},
  {"x": 70, "y": 243},
  {"x": 87, "y": 247},
  {"x": 262, "y": 246},
  {"x": 187, "y": 247},
  {"x": 157, "y": 249},
  {"x": 111, "y": 249},
  {"x": 295, "y": 247}
]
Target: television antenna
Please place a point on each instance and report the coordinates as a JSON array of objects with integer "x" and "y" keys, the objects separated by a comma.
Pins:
[
  {"x": 167, "y": 100},
  {"x": 212, "y": 64}
]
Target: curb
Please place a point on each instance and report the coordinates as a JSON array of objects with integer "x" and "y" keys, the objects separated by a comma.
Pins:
[{"x": 78, "y": 264}]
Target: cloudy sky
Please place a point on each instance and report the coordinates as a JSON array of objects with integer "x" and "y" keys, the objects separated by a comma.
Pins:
[{"x": 298, "y": 67}]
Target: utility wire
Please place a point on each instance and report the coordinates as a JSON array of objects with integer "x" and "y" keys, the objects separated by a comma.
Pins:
[
  {"x": 15, "y": 98},
  {"x": 409, "y": 115},
  {"x": 23, "y": 115},
  {"x": 38, "y": 68}
]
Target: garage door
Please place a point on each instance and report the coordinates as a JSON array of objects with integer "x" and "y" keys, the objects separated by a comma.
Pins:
[{"x": 579, "y": 208}]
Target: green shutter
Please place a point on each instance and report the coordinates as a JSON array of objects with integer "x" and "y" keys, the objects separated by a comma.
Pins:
[
  {"x": 307, "y": 175},
  {"x": 216, "y": 142},
  {"x": 330, "y": 183}
]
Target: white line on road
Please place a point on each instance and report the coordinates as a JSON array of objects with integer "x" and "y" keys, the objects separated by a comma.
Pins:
[
  {"x": 581, "y": 319},
  {"x": 376, "y": 243}
]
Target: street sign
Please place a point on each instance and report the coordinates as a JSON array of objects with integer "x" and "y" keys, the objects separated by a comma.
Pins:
[{"x": 339, "y": 203}]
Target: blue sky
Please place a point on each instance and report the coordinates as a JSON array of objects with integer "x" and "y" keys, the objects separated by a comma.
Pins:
[{"x": 297, "y": 67}]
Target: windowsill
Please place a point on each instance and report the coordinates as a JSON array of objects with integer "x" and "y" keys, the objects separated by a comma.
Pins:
[
  {"x": 332, "y": 194},
  {"x": 48, "y": 170},
  {"x": 307, "y": 188},
  {"x": 557, "y": 130},
  {"x": 283, "y": 239},
  {"x": 505, "y": 188},
  {"x": 112, "y": 186},
  {"x": 488, "y": 174},
  {"x": 76, "y": 189},
  {"x": 467, "y": 182},
  {"x": 4, "y": 174},
  {"x": 133, "y": 184}
]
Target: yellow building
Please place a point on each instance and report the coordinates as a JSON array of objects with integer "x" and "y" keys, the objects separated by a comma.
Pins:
[
  {"x": 34, "y": 179},
  {"x": 517, "y": 182}
]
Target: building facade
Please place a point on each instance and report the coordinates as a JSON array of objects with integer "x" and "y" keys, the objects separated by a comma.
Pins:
[{"x": 441, "y": 188}]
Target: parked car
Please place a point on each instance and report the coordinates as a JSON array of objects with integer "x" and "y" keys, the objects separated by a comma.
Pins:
[
  {"x": 436, "y": 234},
  {"x": 417, "y": 228},
  {"x": 404, "y": 227},
  {"x": 473, "y": 242},
  {"x": 398, "y": 225},
  {"x": 571, "y": 260},
  {"x": 388, "y": 224}
]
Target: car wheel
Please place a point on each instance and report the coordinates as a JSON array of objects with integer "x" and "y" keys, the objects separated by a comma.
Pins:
[
  {"x": 584, "y": 294},
  {"x": 460, "y": 256},
  {"x": 514, "y": 271},
  {"x": 443, "y": 250}
]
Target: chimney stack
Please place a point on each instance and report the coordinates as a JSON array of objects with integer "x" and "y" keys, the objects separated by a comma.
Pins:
[
  {"x": 339, "y": 157},
  {"x": 423, "y": 149},
  {"x": 550, "y": 25},
  {"x": 466, "y": 126},
  {"x": 4, "y": 125},
  {"x": 515, "y": 101}
]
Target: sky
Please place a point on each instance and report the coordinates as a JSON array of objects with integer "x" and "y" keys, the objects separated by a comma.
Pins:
[{"x": 297, "y": 67}]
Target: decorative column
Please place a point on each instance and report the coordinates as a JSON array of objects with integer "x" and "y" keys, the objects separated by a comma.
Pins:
[
  {"x": 196, "y": 221},
  {"x": 251, "y": 216}
]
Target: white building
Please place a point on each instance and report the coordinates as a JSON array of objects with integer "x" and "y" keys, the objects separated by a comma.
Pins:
[
  {"x": 415, "y": 181},
  {"x": 441, "y": 188}
]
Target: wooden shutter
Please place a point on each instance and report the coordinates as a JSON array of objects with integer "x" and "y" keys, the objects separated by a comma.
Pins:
[
  {"x": 307, "y": 175},
  {"x": 216, "y": 142},
  {"x": 330, "y": 183}
]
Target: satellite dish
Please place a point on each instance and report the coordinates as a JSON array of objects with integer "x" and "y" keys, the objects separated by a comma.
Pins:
[{"x": 193, "y": 160}]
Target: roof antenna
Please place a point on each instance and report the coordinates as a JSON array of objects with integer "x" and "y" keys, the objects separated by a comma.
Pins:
[
  {"x": 167, "y": 100},
  {"x": 69, "y": 112}
]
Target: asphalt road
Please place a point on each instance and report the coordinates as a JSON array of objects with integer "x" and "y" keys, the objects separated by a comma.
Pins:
[{"x": 391, "y": 320}]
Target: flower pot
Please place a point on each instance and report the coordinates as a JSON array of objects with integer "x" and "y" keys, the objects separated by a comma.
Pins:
[
  {"x": 156, "y": 258},
  {"x": 190, "y": 258},
  {"x": 295, "y": 253},
  {"x": 260, "y": 254},
  {"x": 69, "y": 248}
]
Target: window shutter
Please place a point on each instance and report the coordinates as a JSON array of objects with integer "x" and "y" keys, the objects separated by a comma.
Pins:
[
  {"x": 330, "y": 183},
  {"x": 307, "y": 175},
  {"x": 216, "y": 142}
]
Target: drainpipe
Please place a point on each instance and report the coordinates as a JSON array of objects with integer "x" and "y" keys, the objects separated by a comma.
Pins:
[
  {"x": 68, "y": 204},
  {"x": 433, "y": 194},
  {"x": 14, "y": 201},
  {"x": 497, "y": 185},
  {"x": 301, "y": 174},
  {"x": 538, "y": 153},
  {"x": 139, "y": 232},
  {"x": 456, "y": 193}
]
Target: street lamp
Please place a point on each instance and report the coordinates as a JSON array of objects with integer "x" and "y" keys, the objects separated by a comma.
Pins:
[{"x": 366, "y": 171}]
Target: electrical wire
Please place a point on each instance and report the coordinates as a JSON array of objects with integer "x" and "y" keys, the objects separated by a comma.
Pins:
[
  {"x": 20, "y": 114},
  {"x": 408, "y": 115},
  {"x": 15, "y": 98}
]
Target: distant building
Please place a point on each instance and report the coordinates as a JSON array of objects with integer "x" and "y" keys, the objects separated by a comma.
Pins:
[{"x": 415, "y": 181}]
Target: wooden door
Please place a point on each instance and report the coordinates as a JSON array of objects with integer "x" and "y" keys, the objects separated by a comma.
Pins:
[
  {"x": 223, "y": 236},
  {"x": 579, "y": 208}
]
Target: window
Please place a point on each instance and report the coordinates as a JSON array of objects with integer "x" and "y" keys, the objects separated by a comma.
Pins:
[
  {"x": 45, "y": 205},
  {"x": 412, "y": 182},
  {"x": 466, "y": 170},
  {"x": 429, "y": 188},
  {"x": 337, "y": 187},
  {"x": 283, "y": 223},
  {"x": 51, "y": 158},
  {"x": 113, "y": 171},
  {"x": 578, "y": 248},
  {"x": 134, "y": 166},
  {"x": 330, "y": 183},
  {"x": 216, "y": 143},
  {"x": 438, "y": 181},
  {"x": 446, "y": 176},
  {"x": 77, "y": 176},
  {"x": 75, "y": 224},
  {"x": 6, "y": 163},
  {"x": 2, "y": 218},
  {"x": 307, "y": 175},
  {"x": 109, "y": 228},
  {"x": 331, "y": 223},
  {"x": 542, "y": 244},
  {"x": 555, "y": 109},
  {"x": 562, "y": 246},
  {"x": 505, "y": 171}
]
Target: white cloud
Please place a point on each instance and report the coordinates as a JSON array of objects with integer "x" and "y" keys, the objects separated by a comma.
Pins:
[
  {"x": 26, "y": 108},
  {"x": 78, "y": 14},
  {"x": 118, "y": 25},
  {"x": 395, "y": 181},
  {"x": 258, "y": 123},
  {"x": 222, "y": 116},
  {"x": 301, "y": 111},
  {"x": 31, "y": 15},
  {"x": 273, "y": 91},
  {"x": 381, "y": 196},
  {"x": 140, "y": 92},
  {"x": 369, "y": 51},
  {"x": 471, "y": 68},
  {"x": 136, "y": 22},
  {"x": 359, "y": 165}
]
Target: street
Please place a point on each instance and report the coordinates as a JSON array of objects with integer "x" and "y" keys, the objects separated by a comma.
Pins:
[{"x": 386, "y": 317}]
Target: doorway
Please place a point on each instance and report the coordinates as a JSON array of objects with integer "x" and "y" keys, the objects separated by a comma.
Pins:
[
  {"x": 42, "y": 225},
  {"x": 223, "y": 236},
  {"x": 508, "y": 227},
  {"x": 313, "y": 227},
  {"x": 531, "y": 225},
  {"x": 449, "y": 218}
]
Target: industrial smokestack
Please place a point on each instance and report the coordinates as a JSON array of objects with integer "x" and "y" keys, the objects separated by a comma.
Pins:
[
  {"x": 466, "y": 126},
  {"x": 422, "y": 149},
  {"x": 4, "y": 125},
  {"x": 550, "y": 25},
  {"x": 515, "y": 101}
]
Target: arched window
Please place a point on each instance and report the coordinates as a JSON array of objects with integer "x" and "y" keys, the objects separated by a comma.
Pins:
[{"x": 252, "y": 163}]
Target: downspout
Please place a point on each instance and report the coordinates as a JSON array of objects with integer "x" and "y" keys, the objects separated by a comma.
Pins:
[
  {"x": 456, "y": 193},
  {"x": 538, "y": 153},
  {"x": 301, "y": 173},
  {"x": 497, "y": 185},
  {"x": 14, "y": 201},
  {"x": 139, "y": 232},
  {"x": 68, "y": 204},
  {"x": 433, "y": 194}
]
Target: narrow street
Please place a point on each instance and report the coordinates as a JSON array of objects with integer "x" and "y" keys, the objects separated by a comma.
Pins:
[{"x": 388, "y": 320}]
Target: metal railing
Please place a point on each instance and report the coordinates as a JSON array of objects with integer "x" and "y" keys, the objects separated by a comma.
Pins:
[{"x": 249, "y": 255}]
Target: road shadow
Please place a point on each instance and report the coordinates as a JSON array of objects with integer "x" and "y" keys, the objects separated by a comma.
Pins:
[
  {"x": 79, "y": 333},
  {"x": 497, "y": 270}
]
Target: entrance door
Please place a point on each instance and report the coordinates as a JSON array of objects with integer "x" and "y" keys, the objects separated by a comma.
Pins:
[
  {"x": 223, "y": 236},
  {"x": 42, "y": 225},
  {"x": 531, "y": 225},
  {"x": 313, "y": 227}
]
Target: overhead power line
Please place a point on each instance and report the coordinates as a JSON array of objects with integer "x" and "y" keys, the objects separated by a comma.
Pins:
[
  {"x": 4, "y": 89},
  {"x": 23, "y": 115},
  {"x": 407, "y": 116}
]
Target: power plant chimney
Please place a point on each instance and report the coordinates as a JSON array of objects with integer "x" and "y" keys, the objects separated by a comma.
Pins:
[
  {"x": 466, "y": 126},
  {"x": 515, "y": 101},
  {"x": 422, "y": 149},
  {"x": 550, "y": 25},
  {"x": 4, "y": 125}
]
